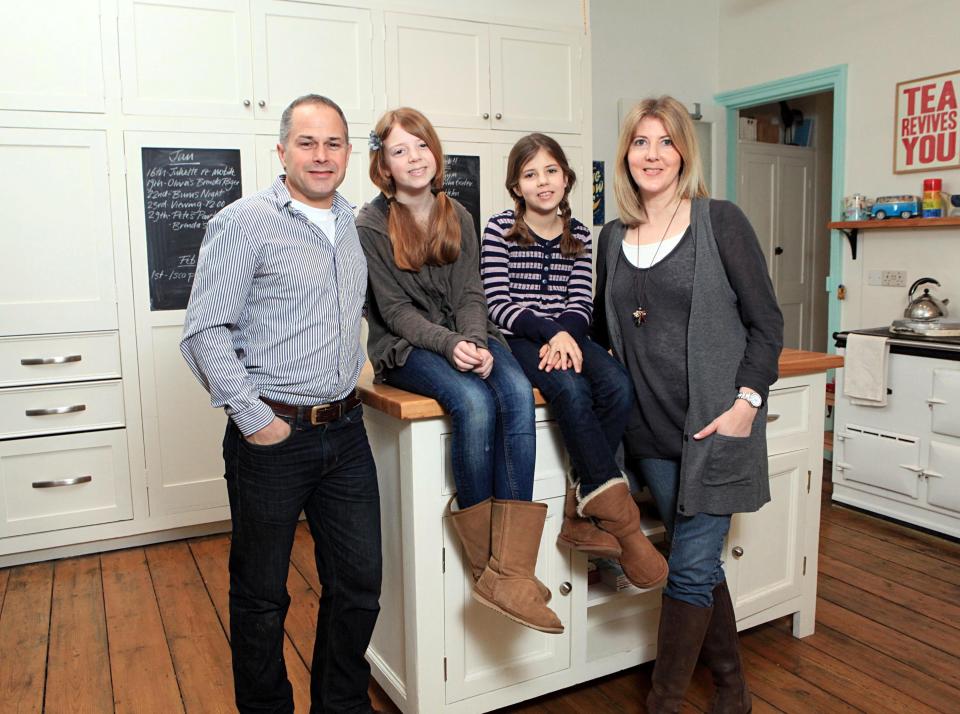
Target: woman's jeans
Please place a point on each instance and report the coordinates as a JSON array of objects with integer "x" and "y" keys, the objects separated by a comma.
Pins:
[
  {"x": 328, "y": 472},
  {"x": 696, "y": 541},
  {"x": 494, "y": 441},
  {"x": 591, "y": 407}
]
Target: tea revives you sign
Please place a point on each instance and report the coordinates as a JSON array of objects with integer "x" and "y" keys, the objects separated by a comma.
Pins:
[{"x": 927, "y": 127}]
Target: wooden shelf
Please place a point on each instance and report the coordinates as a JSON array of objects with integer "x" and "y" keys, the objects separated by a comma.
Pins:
[{"x": 851, "y": 228}]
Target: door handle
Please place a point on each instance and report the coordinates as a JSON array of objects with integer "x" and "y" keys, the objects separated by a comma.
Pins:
[
  {"x": 62, "y": 359},
  {"x": 934, "y": 474},
  {"x": 63, "y": 482},
  {"x": 908, "y": 467},
  {"x": 933, "y": 400},
  {"x": 778, "y": 250}
]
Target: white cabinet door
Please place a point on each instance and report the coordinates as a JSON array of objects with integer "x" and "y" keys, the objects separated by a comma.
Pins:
[
  {"x": 65, "y": 69},
  {"x": 763, "y": 557},
  {"x": 441, "y": 67},
  {"x": 943, "y": 476},
  {"x": 535, "y": 80},
  {"x": 56, "y": 256},
  {"x": 186, "y": 57},
  {"x": 301, "y": 48},
  {"x": 181, "y": 431},
  {"x": 878, "y": 461},
  {"x": 486, "y": 651}
]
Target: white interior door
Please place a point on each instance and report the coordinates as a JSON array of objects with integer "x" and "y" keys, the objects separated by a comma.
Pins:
[
  {"x": 441, "y": 67},
  {"x": 793, "y": 252},
  {"x": 535, "y": 80},
  {"x": 757, "y": 196},
  {"x": 65, "y": 69},
  {"x": 56, "y": 255},
  {"x": 328, "y": 46},
  {"x": 186, "y": 57}
]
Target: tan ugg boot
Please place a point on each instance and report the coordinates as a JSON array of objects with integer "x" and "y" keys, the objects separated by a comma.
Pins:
[
  {"x": 473, "y": 529},
  {"x": 616, "y": 512},
  {"x": 581, "y": 533},
  {"x": 507, "y": 584}
]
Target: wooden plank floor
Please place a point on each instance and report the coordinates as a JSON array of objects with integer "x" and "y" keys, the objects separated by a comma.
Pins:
[{"x": 146, "y": 630}]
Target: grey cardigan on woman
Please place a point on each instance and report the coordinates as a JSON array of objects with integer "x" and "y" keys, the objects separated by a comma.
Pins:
[
  {"x": 726, "y": 348},
  {"x": 433, "y": 308}
]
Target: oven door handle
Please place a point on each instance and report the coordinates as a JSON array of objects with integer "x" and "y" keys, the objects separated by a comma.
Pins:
[
  {"x": 909, "y": 467},
  {"x": 928, "y": 472},
  {"x": 933, "y": 400}
]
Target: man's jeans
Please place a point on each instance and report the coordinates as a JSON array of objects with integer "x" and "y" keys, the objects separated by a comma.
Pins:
[
  {"x": 494, "y": 439},
  {"x": 328, "y": 472},
  {"x": 696, "y": 541},
  {"x": 591, "y": 407}
]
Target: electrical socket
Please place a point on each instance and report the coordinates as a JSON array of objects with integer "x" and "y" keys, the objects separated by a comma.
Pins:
[{"x": 887, "y": 278}]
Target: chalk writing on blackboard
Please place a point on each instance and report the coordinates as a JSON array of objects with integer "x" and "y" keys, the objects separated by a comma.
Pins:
[
  {"x": 182, "y": 190},
  {"x": 461, "y": 180}
]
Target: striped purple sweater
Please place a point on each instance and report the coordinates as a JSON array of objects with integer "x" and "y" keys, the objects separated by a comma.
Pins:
[{"x": 534, "y": 291}]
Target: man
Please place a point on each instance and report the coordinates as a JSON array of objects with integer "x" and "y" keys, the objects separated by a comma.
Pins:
[{"x": 272, "y": 331}]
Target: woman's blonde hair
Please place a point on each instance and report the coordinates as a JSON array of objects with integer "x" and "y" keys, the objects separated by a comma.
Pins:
[
  {"x": 678, "y": 125},
  {"x": 414, "y": 247},
  {"x": 522, "y": 152}
]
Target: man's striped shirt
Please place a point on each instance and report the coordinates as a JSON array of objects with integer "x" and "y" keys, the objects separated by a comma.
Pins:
[
  {"x": 275, "y": 308},
  {"x": 533, "y": 291}
]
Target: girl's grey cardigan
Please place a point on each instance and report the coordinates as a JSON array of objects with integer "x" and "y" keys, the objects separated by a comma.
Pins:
[
  {"x": 719, "y": 474},
  {"x": 433, "y": 308}
]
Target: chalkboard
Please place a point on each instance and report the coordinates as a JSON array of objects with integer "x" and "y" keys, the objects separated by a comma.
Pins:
[
  {"x": 182, "y": 190},
  {"x": 461, "y": 180}
]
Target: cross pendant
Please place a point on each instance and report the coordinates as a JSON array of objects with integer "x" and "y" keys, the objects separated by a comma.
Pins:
[{"x": 639, "y": 316}]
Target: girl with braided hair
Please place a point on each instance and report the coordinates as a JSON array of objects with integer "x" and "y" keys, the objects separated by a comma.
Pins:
[{"x": 536, "y": 270}]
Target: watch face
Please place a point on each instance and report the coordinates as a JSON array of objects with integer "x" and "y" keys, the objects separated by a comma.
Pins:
[{"x": 752, "y": 398}]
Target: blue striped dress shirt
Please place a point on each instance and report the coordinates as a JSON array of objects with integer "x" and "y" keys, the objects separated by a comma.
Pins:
[{"x": 275, "y": 308}]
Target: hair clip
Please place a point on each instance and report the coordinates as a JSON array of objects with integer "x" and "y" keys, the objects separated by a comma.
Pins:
[{"x": 376, "y": 143}]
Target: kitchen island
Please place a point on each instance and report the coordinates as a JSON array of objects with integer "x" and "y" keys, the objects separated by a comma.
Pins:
[{"x": 436, "y": 650}]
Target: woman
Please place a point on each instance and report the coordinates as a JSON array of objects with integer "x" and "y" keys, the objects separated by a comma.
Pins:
[
  {"x": 685, "y": 302},
  {"x": 429, "y": 334}
]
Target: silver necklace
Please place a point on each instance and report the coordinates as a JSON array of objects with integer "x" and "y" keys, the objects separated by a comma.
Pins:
[{"x": 640, "y": 314}]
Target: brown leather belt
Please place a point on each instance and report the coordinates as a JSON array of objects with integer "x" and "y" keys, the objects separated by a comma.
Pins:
[{"x": 315, "y": 414}]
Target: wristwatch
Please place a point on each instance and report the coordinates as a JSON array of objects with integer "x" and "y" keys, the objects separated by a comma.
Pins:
[{"x": 751, "y": 398}]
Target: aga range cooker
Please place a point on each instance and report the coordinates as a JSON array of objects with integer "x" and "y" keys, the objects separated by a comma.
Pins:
[{"x": 902, "y": 459}]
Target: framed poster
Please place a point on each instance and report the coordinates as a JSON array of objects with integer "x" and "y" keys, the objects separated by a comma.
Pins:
[{"x": 926, "y": 133}]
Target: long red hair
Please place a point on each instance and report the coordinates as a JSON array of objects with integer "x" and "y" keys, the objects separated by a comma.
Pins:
[{"x": 414, "y": 246}]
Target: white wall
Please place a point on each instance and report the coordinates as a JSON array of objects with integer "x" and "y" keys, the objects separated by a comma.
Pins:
[
  {"x": 882, "y": 42},
  {"x": 643, "y": 48}
]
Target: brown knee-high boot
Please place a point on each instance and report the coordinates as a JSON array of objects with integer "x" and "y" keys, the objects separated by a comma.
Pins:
[
  {"x": 616, "y": 512},
  {"x": 507, "y": 584},
  {"x": 582, "y": 534},
  {"x": 721, "y": 654},
  {"x": 473, "y": 529},
  {"x": 679, "y": 638}
]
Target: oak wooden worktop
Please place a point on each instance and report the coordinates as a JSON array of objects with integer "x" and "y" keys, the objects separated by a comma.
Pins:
[{"x": 405, "y": 405}]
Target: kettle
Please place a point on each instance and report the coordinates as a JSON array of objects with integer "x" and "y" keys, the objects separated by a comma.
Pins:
[{"x": 925, "y": 307}]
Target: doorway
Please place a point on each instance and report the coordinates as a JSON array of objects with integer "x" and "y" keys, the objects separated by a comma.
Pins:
[
  {"x": 789, "y": 180},
  {"x": 784, "y": 152}
]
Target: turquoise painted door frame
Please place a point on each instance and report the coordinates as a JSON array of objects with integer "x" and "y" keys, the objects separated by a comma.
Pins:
[{"x": 825, "y": 80}]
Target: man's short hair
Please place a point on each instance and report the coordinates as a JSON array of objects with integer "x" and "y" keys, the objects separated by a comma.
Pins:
[{"x": 286, "y": 118}]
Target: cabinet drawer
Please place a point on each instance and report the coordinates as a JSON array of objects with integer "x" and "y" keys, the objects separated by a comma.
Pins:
[
  {"x": 47, "y": 359},
  {"x": 63, "y": 482},
  {"x": 30, "y": 411},
  {"x": 788, "y": 419}
]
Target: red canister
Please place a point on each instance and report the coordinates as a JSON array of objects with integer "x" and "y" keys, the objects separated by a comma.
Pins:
[{"x": 932, "y": 198}]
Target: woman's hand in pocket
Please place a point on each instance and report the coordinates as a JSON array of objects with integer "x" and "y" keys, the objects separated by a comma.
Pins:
[{"x": 736, "y": 421}]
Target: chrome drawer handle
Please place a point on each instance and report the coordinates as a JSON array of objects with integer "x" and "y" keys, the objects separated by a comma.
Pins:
[
  {"x": 63, "y": 482},
  {"x": 56, "y": 410},
  {"x": 63, "y": 359},
  {"x": 772, "y": 418},
  {"x": 565, "y": 588}
]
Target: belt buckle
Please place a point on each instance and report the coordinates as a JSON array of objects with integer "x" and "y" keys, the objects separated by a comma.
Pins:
[{"x": 313, "y": 413}]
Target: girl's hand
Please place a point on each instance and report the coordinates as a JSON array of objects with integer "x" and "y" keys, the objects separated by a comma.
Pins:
[
  {"x": 486, "y": 365},
  {"x": 465, "y": 356},
  {"x": 736, "y": 421},
  {"x": 562, "y": 352}
]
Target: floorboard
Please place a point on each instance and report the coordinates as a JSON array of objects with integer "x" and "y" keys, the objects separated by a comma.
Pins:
[{"x": 148, "y": 630}]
